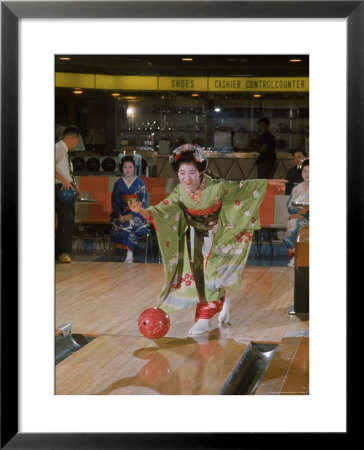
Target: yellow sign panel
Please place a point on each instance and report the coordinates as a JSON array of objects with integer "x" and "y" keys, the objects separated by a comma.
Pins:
[
  {"x": 196, "y": 84},
  {"x": 73, "y": 80},
  {"x": 183, "y": 83},
  {"x": 272, "y": 84},
  {"x": 137, "y": 83}
]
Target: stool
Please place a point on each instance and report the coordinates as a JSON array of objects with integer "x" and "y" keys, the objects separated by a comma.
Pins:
[{"x": 261, "y": 236}]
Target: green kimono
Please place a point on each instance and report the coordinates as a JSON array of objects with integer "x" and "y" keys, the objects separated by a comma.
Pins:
[{"x": 222, "y": 218}]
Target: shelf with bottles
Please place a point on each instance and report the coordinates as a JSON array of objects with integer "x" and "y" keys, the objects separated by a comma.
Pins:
[
  {"x": 140, "y": 140},
  {"x": 290, "y": 133},
  {"x": 149, "y": 142},
  {"x": 174, "y": 117},
  {"x": 166, "y": 114},
  {"x": 140, "y": 135},
  {"x": 284, "y": 142},
  {"x": 290, "y": 127},
  {"x": 165, "y": 126}
]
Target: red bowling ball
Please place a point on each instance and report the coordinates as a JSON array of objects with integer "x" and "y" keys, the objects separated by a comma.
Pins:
[{"x": 154, "y": 323}]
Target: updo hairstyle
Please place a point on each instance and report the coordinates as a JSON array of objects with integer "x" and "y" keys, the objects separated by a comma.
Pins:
[
  {"x": 190, "y": 154},
  {"x": 125, "y": 159}
]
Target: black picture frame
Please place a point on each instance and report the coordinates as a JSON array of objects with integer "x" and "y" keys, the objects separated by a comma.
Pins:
[{"x": 11, "y": 12}]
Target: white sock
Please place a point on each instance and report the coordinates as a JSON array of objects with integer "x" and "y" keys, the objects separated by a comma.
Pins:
[
  {"x": 224, "y": 316},
  {"x": 201, "y": 326},
  {"x": 129, "y": 256}
]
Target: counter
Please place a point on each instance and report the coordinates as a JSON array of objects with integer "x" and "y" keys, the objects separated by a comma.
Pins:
[{"x": 232, "y": 166}]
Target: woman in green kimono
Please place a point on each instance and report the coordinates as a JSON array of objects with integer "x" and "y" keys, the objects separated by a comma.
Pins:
[{"x": 222, "y": 216}]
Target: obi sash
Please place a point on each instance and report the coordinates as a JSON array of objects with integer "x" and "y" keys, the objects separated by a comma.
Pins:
[
  {"x": 128, "y": 196},
  {"x": 203, "y": 219},
  {"x": 125, "y": 198}
]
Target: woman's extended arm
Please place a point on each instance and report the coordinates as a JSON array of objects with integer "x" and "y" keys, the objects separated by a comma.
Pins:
[{"x": 279, "y": 183}]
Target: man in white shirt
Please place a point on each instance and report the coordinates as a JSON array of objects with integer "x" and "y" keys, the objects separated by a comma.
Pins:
[{"x": 64, "y": 180}]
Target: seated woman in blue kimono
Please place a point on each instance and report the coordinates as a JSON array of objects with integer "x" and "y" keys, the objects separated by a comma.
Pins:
[{"x": 127, "y": 226}]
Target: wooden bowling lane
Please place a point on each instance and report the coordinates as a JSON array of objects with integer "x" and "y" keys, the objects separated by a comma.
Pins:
[
  {"x": 288, "y": 372},
  {"x": 107, "y": 299},
  {"x": 117, "y": 365}
]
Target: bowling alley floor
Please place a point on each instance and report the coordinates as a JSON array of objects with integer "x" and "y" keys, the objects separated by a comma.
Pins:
[
  {"x": 263, "y": 351},
  {"x": 266, "y": 255}
]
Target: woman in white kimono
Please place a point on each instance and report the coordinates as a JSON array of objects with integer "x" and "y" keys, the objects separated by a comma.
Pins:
[{"x": 299, "y": 217}]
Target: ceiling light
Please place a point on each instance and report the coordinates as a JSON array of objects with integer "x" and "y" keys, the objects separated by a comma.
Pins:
[
  {"x": 217, "y": 109},
  {"x": 65, "y": 58},
  {"x": 187, "y": 59},
  {"x": 115, "y": 94},
  {"x": 195, "y": 95},
  {"x": 78, "y": 91},
  {"x": 295, "y": 60},
  {"x": 257, "y": 95}
]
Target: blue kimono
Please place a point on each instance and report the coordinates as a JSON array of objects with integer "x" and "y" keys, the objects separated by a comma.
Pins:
[{"x": 127, "y": 233}]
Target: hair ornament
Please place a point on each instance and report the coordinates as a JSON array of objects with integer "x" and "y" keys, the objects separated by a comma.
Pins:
[{"x": 198, "y": 152}]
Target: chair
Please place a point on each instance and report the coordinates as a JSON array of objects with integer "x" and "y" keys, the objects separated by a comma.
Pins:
[
  {"x": 272, "y": 221},
  {"x": 266, "y": 215},
  {"x": 148, "y": 236},
  {"x": 148, "y": 243},
  {"x": 91, "y": 220},
  {"x": 281, "y": 215}
]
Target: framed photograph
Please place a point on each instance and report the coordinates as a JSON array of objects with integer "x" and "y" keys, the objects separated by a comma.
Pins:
[{"x": 23, "y": 220}]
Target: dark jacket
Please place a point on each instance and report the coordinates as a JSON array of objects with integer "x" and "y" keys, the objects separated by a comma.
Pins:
[
  {"x": 294, "y": 177},
  {"x": 268, "y": 156}
]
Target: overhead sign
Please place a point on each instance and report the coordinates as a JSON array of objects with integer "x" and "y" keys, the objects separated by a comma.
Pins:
[
  {"x": 259, "y": 84},
  {"x": 75, "y": 80},
  {"x": 126, "y": 83},
  {"x": 183, "y": 84},
  {"x": 192, "y": 84}
]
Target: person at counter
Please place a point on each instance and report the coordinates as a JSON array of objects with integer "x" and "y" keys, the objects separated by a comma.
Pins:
[
  {"x": 299, "y": 216},
  {"x": 294, "y": 173},
  {"x": 127, "y": 226},
  {"x": 266, "y": 146},
  {"x": 223, "y": 215}
]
